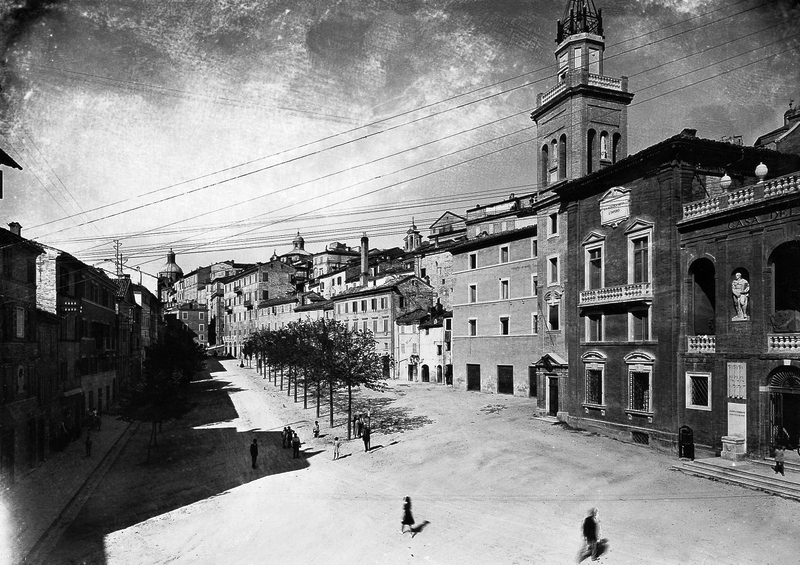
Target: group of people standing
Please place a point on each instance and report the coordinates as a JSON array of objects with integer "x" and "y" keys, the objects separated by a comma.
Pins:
[{"x": 292, "y": 440}]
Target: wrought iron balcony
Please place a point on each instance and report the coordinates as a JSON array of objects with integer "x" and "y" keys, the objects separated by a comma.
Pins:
[
  {"x": 616, "y": 294},
  {"x": 701, "y": 343}
]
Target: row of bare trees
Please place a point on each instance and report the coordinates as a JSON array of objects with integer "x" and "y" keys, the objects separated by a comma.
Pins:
[{"x": 324, "y": 355}]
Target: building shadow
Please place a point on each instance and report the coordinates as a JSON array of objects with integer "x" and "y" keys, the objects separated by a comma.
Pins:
[{"x": 197, "y": 457}]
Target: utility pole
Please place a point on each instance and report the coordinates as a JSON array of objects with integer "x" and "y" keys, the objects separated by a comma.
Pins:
[{"x": 118, "y": 257}]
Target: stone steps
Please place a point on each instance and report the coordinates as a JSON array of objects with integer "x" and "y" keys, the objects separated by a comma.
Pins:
[{"x": 755, "y": 475}]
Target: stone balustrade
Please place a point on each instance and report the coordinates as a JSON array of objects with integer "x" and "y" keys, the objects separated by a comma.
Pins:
[
  {"x": 781, "y": 186},
  {"x": 783, "y": 342},
  {"x": 606, "y": 82},
  {"x": 612, "y": 294},
  {"x": 553, "y": 92},
  {"x": 701, "y": 343}
]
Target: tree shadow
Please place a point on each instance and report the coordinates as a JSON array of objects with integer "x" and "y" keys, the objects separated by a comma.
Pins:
[
  {"x": 384, "y": 418},
  {"x": 214, "y": 366}
]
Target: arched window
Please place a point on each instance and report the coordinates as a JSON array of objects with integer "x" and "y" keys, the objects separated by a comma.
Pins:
[
  {"x": 562, "y": 157},
  {"x": 545, "y": 164},
  {"x": 785, "y": 263},
  {"x": 604, "y": 146},
  {"x": 554, "y": 164},
  {"x": 590, "y": 150},
  {"x": 616, "y": 148},
  {"x": 703, "y": 306},
  {"x": 426, "y": 376}
]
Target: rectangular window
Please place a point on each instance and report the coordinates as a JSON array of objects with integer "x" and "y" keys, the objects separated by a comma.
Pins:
[
  {"x": 448, "y": 324},
  {"x": 422, "y": 273},
  {"x": 383, "y": 303},
  {"x": 552, "y": 270},
  {"x": 363, "y": 305},
  {"x": 534, "y": 248},
  {"x": 535, "y": 285},
  {"x": 594, "y": 268},
  {"x": 202, "y": 338},
  {"x": 202, "y": 315},
  {"x": 504, "y": 254},
  {"x": 640, "y": 259},
  {"x": 473, "y": 327},
  {"x": 698, "y": 391},
  {"x": 20, "y": 323},
  {"x": 439, "y": 350},
  {"x": 346, "y": 308},
  {"x": 552, "y": 224},
  {"x": 594, "y": 327},
  {"x": 504, "y": 290},
  {"x": 473, "y": 293},
  {"x": 365, "y": 326},
  {"x": 578, "y": 55},
  {"x": 355, "y": 307},
  {"x": 473, "y": 260},
  {"x": 639, "y": 390},
  {"x": 504, "y": 325},
  {"x": 402, "y": 348},
  {"x": 640, "y": 325},
  {"x": 185, "y": 315},
  {"x": 553, "y": 317},
  {"x": 386, "y": 325},
  {"x": 594, "y": 61},
  {"x": 535, "y": 323},
  {"x": 374, "y": 304},
  {"x": 401, "y": 302},
  {"x": 375, "y": 326},
  {"x": 201, "y": 327},
  {"x": 594, "y": 385}
]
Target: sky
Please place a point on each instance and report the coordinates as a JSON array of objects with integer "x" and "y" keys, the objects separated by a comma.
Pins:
[{"x": 222, "y": 128}]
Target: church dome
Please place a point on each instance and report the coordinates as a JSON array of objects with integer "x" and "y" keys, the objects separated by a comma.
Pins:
[
  {"x": 298, "y": 241},
  {"x": 171, "y": 268}
]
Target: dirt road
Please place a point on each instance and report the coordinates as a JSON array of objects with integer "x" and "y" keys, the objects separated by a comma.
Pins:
[{"x": 495, "y": 485}]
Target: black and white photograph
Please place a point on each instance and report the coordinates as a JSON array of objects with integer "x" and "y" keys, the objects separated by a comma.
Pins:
[{"x": 321, "y": 282}]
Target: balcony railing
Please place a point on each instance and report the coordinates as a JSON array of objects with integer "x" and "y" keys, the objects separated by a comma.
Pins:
[
  {"x": 553, "y": 92},
  {"x": 788, "y": 184},
  {"x": 783, "y": 343},
  {"x": 237, "y": 289},
  {"x": 701, "y": 343},
  {"x": 613, "y": 294},
  {"x": 606, "y": 82},
  {"x": 248, "y": 304}
]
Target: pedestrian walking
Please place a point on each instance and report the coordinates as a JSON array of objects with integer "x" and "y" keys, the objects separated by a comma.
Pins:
[
  {"x": 254, "y": 451},
  {"x": 360, "y": 425},
  {"x": 316, "y": 428},
  {"x": 283, "y": 437},
  {"x": 336, "y": 445},
  {"x": 88, "y": 444},
  {"x": 780, "y": 457},
  {"x": 594, "y": 547},
  {"x": 365, "y": 437},
  {"x": 295, "y": 446},
  {"x": 289, "y": 433},
  {"x": 355, "y": 426},
  {"x": 408, "y": 518}
]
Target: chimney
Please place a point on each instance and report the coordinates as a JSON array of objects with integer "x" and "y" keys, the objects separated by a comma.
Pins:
[
  {"x": 15, "y": 228},
  {"x": 364, "y": 259}
]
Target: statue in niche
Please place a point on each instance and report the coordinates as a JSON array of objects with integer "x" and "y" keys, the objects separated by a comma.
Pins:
[{"x": 741, "y": 290}]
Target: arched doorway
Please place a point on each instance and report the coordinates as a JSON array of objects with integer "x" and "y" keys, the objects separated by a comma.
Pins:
[
  {"x": 784, "y": 402},
  {"x": 426, "y": 375}
]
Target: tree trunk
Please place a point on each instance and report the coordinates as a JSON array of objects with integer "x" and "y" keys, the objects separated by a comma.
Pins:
[
  {"x": 319, "y": 384},
  {"x": 305, "y": 392},
  {"x": 295, "y": 386},
  {"x": 349, "y": 409},
  {"x": 331, "y": 397},
  {"x": 281, "y": 377}
]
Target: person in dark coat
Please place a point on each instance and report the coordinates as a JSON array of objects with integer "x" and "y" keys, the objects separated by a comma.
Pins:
[
  {"x": 780, "y": 457},
  {"x": 591, "y": 532},
  {"x": 88, "y": 444},
  {"x": 360, "y": 425},
  {"x": 295, "y": 446},
  {"x": 365, "y": 437},
  {"x": 288, "y": 436},
  {"x": 254, "y": 451},
  {"x": 408, "y": 518}
]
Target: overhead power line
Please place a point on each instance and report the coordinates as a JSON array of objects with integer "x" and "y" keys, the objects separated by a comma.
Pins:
[{"x": 374, "y": 123}]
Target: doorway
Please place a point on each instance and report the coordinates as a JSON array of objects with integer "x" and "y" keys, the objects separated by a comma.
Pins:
[
  {"x": 784, "y": 397},
  {"x": 473, "y": 377},
  {"x": 552, "y": 396}
]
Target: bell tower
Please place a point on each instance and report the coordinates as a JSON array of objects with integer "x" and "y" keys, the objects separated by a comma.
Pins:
[{"x": 582, "y": 120}]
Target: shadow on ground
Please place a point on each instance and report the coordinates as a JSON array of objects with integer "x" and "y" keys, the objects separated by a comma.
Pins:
[
  {"x": 187, "y": 466},
  {"x": 385, "y": 418}
]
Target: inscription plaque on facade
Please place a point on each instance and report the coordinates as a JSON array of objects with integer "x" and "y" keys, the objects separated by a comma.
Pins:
[
  {"x": 737, "y": 419},
  {"x": 615, "y": 206}
]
